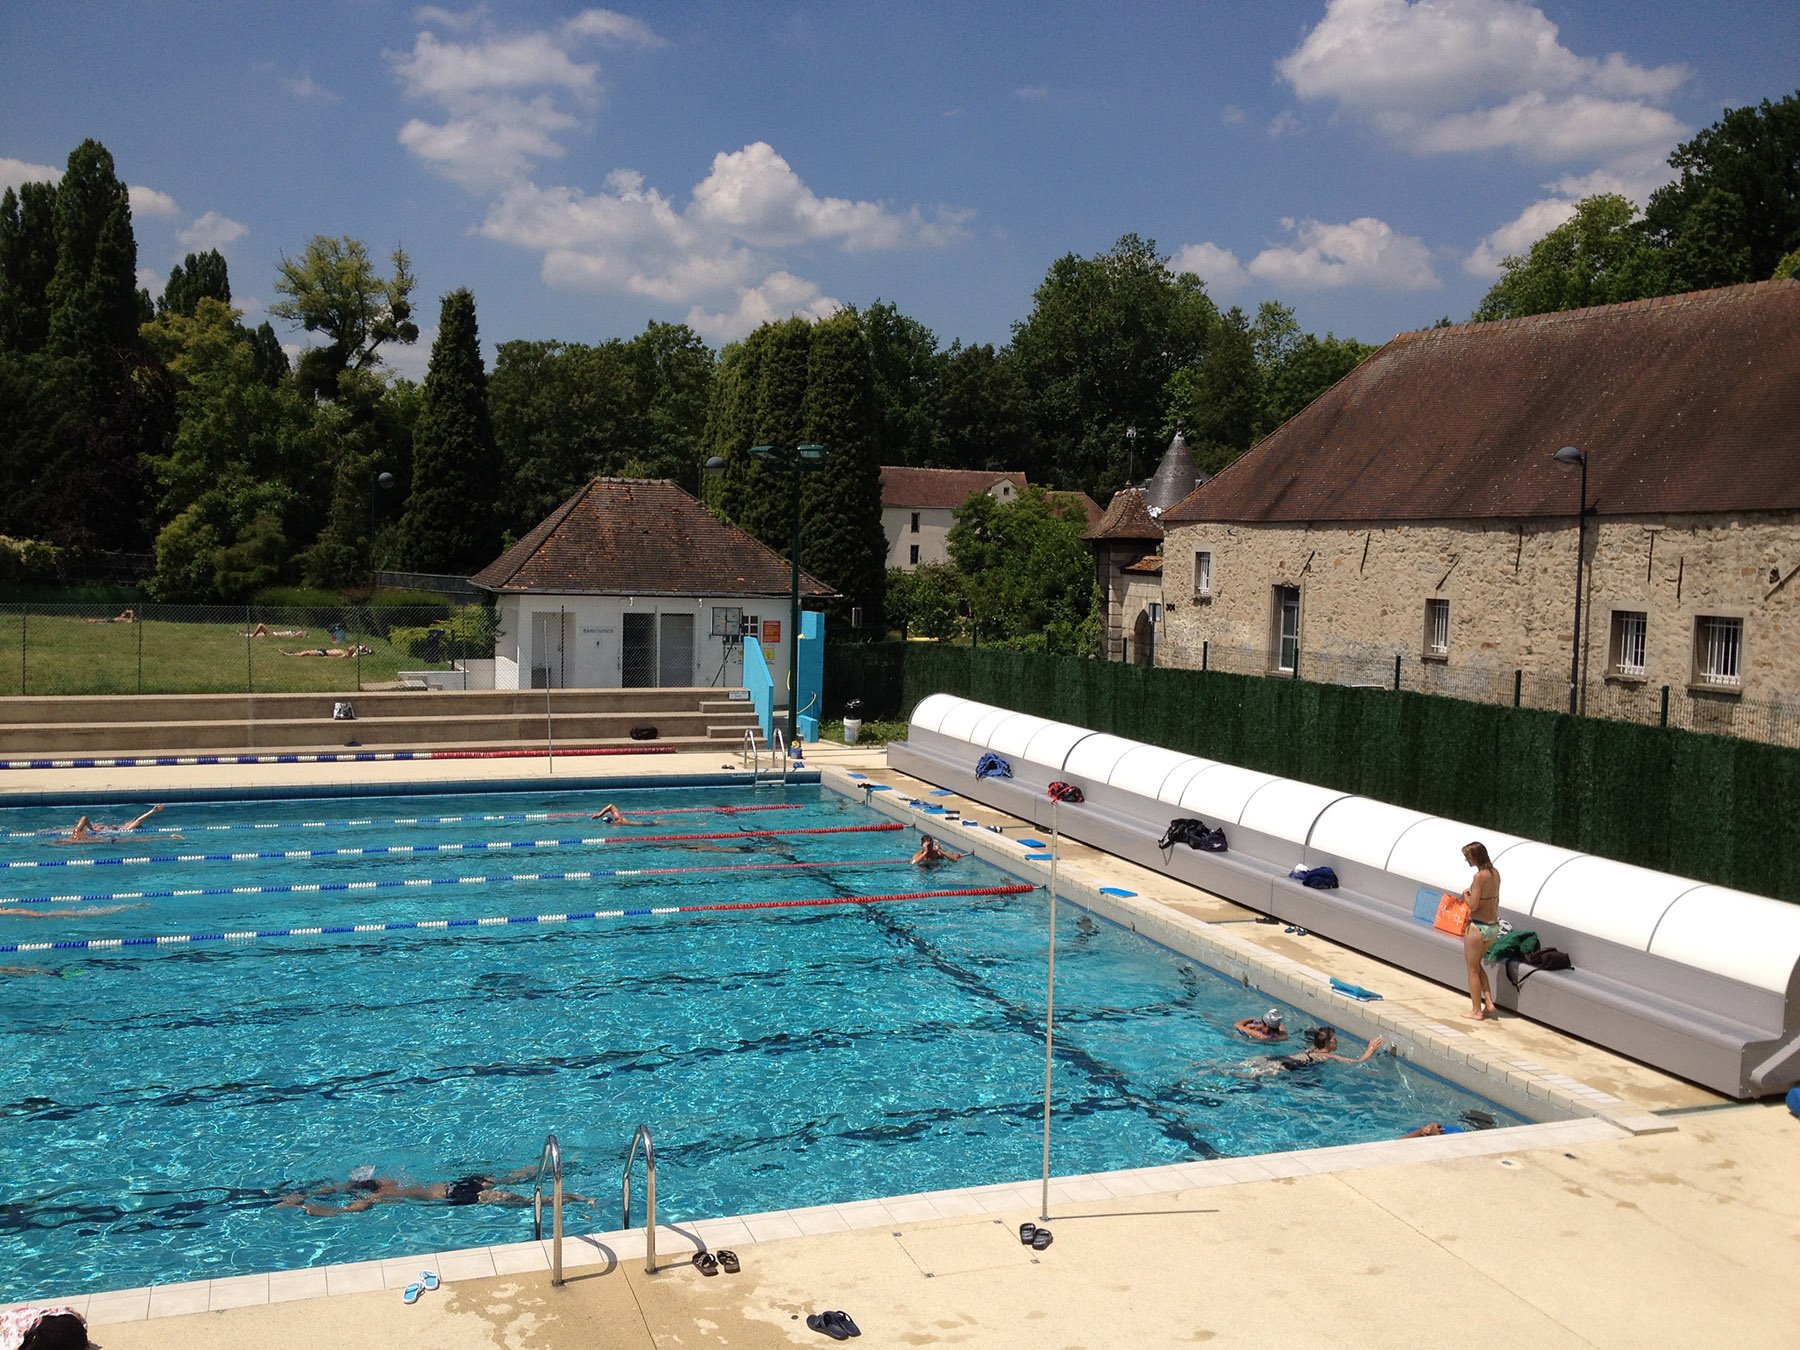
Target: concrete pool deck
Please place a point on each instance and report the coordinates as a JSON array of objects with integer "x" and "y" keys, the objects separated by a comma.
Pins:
[{"x": 1574, "y": 1233}]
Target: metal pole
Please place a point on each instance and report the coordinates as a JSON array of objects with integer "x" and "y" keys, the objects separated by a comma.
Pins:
[
  {"x": 1396, "y": 672},
  {"x": 140, "y": 628},
  {"x": 1518, "y": 686},
  {"x": 1580, "y": 557},
  {"x": 1665, "y": 707},
  {"x": 793, "y": 717},
  {"x": 1203, "y": 647},
  {"x": 1050, "y": 1007},
  {"x": 22, "y": 618}
]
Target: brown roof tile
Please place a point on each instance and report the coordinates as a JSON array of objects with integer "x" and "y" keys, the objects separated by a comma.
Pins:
[
  {"x": 903, "y": 486},
  {"x": 1150, "y": 566},
  {"x": 1684, "y": 403},
  {"x": 640, "y": 536},
  {"x": 1127, "y": 517}
]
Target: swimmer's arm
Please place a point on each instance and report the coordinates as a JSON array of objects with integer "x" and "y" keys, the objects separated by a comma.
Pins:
[{"x": 1367, "y": 1054}]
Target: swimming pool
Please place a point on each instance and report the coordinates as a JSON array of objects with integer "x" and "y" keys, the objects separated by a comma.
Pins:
[{"x": 159, "y": 1101}]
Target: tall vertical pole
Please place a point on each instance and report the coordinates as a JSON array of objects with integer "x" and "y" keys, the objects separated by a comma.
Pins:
[
  {"x": 793, "y": 717},
  {"x": 1050, "y": 1007},
  {"x": 1580, "y": 557}
]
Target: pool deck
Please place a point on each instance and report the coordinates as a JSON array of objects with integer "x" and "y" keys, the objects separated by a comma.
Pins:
[{"x": 1607, "y": 1226}]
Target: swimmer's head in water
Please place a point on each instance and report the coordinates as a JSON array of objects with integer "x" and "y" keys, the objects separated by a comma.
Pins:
[
  {"x": 1323, "y": 1038},
  {"x": 1272, "y": 1019}
]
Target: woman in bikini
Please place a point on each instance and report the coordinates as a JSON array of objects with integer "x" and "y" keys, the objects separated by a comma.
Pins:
[
  {"x": 1483, "y": 898},
  {"x": 1323, "y": 1051}
]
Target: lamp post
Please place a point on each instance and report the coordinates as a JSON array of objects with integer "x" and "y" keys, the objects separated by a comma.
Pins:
[
  {"x": 1130, "y": 454},
  {"x": 795, "y": 459},
  {"x": 378, "y": 478},
  {"x": 1570, "y": 455}
]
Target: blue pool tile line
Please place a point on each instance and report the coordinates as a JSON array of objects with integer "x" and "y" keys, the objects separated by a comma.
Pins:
[
  {"x": 943, "y": 792},
  {"x": 1039, "y": 857}
]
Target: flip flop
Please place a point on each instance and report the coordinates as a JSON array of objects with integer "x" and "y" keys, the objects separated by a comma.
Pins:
[
  {"x": 1027, "y": 1231},
  {"x": 728, "y": 1262},
  {"x": 428, "y": 1278},
  {"x": 826, "y": 1323},
  {"x": 412, "y": 1291},
  {"x": 707, "y": 1262},
  {"x": 841, "y": 1320},
  {"x": 1041, "y": 1239}
]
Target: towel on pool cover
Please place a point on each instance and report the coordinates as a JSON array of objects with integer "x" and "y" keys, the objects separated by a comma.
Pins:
[{"x": 991, "y": 765}]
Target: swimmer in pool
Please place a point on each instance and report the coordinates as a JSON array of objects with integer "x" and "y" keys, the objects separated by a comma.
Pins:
[
  {"x": 89, "y": 913},
  {"x": 1323, "y": 1051},
  {"x": 86, "y": 831},
  {"x": 611, "y": 815},
  {"x": 1268, "y": 1027},
  {"x": 367, "y": 1192},
  {"x": 931, "y": 852}
]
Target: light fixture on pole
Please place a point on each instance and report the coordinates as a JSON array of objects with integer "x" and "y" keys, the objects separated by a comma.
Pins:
[
  {"x": 795, "y": 459},
  {"x": 1570, "y": 455},
  {"x": 378, "y": 478},
  {"x": 1130, "y": 455}
]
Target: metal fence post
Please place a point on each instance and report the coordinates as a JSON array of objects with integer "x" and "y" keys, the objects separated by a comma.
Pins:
[
  {"x": 1518, "y": 686},
  {"x": 22, "y": 617},
  {"x": 1203, "y": 655},
  {"x": 1665, "y": 707},
  {"x": 1396, "y": 672},
  {"x": 249, "y": 649}
]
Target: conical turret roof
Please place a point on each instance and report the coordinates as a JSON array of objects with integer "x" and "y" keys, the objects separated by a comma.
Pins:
[{"x": 1174, "y": 478}]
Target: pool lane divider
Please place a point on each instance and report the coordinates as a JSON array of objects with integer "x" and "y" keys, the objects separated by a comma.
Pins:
[
  {"x": 362, "y": 757},
  {"x": 412, "y": 820},
  {"x": 314, "y": 887},
  {"x": 422, "y": 925},
  {"x": 494, "y": 846}
]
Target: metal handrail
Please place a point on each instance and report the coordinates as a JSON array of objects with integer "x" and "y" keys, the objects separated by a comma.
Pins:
[
  {"x": 751, "y": 754},
  {"x": 551, "y": 1158},
  {"x": 778, "y": 748},
  {"x": 643, "y": 1133}
]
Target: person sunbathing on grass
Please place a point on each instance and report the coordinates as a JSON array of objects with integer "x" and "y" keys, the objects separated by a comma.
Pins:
[
  {"x": 126, "y": 616},
  {"x": 352, "y": 650},
  {"x": 369, "y": 1191},
  {"x": 86, "y": 831},
  {"x": 263, "y": 630}
]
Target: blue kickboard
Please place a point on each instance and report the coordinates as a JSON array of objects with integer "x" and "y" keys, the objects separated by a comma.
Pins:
[
  {"x": 1425, "y": 904},
  {"x": 859, "y": 775},
  {"x": 1039, "y": 843},
  {"x": 1115, "y": 890},
  {"x": 943, "y": 792},
  {"x": 1355, "y": 991},
  {"x": 879, "y": 787},
  {"x": 1038, "y": 857}
]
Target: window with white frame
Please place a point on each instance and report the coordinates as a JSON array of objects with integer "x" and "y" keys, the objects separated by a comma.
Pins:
[
  {"x": 1437, "y": 627},
  {"x": 1203, "y": 574},
  {"x": 1155, "y": 612},
  {"x": 1630, "y": 630},
  {"x": 1286, "y": 628},
  {"x": 1719, "y": 651}
]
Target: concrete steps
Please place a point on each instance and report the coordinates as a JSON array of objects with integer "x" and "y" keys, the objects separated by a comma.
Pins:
[{"x": 386, "y": 720}]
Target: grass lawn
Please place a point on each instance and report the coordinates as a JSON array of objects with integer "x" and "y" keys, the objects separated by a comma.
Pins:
[{"x": 46, "y": 654}]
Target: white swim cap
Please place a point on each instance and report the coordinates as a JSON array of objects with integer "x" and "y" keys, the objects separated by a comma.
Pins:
[{"x": 1272, "y": 1018}]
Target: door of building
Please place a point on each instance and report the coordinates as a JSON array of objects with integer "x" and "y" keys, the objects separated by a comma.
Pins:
[
  {"x": 547, "y": 649},
  {"x": 637, "y": 651},
  {"x": 675, "y": 657}
]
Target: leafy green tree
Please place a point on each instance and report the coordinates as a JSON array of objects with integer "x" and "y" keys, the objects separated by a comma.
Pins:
[
  {"x": 671, "y": 370},
  {"x": 559, "y": 410},
  {"x": 449, "y": 524},
  {"x": 926, "y": 602},
  {"x": 1600, "y": 256},
  {"x": 1028, "y": 576},
  {"x": 363, "y": 431},
  {"x": 1788, "y": 268},
  {"x": 1217, "y": 403},
  {"x": 1311, "y": 367},
  {"x": 95, "y": 306},
  {"x": 903, "y": 353},
  {"x": 843, "y": 543},
  {"x": 980, "y": 412},
  {"x": 198, "y": 276},
  {"x": 1734, "y": 211},
  {"x": 334, "y": 290},
  {"x": 27, "y": 262},
  {"x": 759, "y": 399},
  {"x": 1104, "y": 338}
]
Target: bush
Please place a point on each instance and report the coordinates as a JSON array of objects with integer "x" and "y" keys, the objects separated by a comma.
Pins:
[
  {"x": 28, "y": 560},
  {"x": 466, "y": 634}
]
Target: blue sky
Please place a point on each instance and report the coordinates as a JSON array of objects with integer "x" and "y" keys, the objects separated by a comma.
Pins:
[{"x": 584, "y": 170}]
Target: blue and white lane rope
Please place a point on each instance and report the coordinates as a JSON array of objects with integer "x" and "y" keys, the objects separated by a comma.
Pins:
[
  {"x": 183, "y": 939},
  {"x": 308, "y": 888},
  {"x": 374, "y": 850},
  {"x": 407, "y": 820},
  {"x": 361, "y": 757}
]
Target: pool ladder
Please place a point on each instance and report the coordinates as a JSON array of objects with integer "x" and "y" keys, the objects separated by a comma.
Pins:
[
  {"x": 551, "y": 1160},
  {"x": 750, "y": 756}
]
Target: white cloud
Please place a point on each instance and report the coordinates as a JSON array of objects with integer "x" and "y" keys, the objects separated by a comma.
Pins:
[
  {"x": 305, "y": 87},
  {"x": 1441, "y": 76},
  {"x": 1365, "y": 252},
  {"x": 451, "y": 71},
  {"x": 149, "y": 280},
  {"x": 1032, "y": 93},
  {"x": 211, "y": 230},
  {"x": 779, "y": 295},
  {"x": 14, "y": 173},
  {"x": 1517, "y": 236},
  {"x": 147, "y": 201},
  {"x": 612, "y": 29},
  {"x": 1284, "y": 123},
  {"x": 1231, "y": 114},
  {"x": 1217, "y": 267}
]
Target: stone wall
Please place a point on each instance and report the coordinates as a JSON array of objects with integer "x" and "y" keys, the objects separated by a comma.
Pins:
[{"x": 1510, "y": 586}]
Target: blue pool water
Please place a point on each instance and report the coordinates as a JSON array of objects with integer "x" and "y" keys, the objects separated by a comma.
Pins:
[{"x": 156, "y": 1103}]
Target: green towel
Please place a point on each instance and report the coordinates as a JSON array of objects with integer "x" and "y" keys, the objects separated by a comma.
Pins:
[{"x": 1519, "y": 942}]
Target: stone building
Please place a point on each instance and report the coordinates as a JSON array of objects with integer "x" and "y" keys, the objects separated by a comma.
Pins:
[
  {"x": 918, "y": 507},
  {"x": 1412, "y": 526},
  {"x": 1128, "y": 563}
]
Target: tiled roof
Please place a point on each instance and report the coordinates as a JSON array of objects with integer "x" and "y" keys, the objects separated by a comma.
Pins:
[
  {"x": 640, "y": 536},
  {"x": 1174, "y": 478},
  {"x": 1150, "y": 566},
  {"x": 1127, "y": 517},
  {"x": 922, "y": 489},
  {"x": 1685, "y": 403}
]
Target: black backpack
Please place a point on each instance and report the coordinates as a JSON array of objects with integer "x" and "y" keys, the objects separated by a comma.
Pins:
[
  {"x": 1544, "y": 958},
  {"x": 1193, "y": 833}
]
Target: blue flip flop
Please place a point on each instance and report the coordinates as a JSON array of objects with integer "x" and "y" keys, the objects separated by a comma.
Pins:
[
  {"x": 412, "y": 1291},
  {"x": 428, "y": 1278}
]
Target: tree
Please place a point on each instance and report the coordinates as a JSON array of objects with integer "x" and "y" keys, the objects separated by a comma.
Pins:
[
  {"x": 979, "y": 411},
  {"x": 1028, "y": 576},
  {"x": 1311, "y": 367},
  {"x": 93, "y": 294},
  {"x": 927, "y": 601},
  {"x": 365, "y": 430},
  {"x": 1734, "y": 211},
  {"x": 1600, "y": 256},
  {"x": 1103, "y": 340},
  {"x": 843, "y": 542},
  {"x": 27, "y": 262},
  {"x": 335, "y": 290},
  {"x": 671, "y": 370},
  {"x": 197, "y": 276},
  {"x": 449, "y": 522},
  {"x": 903, "y": 354},
  {"x": 1217, "y": 403},
  {"x": 758, "y": 398},
  {"x": 559, "y": 411}
]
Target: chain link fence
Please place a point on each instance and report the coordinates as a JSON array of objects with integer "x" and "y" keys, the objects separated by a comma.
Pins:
[
  {"x": 51, "y": 649},
  {"x": 1774, "y": 721}
]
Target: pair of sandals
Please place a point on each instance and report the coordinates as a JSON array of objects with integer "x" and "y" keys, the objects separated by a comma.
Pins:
[
  {"x": 427, "y": 1281},
  {"x": 1034, "y": 1237},
  {"x": 836, "y": 1325},
  {"x": 711, "y": 1263}
]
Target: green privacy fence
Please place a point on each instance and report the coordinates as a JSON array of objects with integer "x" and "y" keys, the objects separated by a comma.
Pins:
[{"x": 1713, "y": 807}]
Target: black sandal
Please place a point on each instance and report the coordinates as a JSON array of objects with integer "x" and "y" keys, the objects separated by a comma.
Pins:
[
  {"x": 707, "y": 1263},
  {"x": 728, "y": 1261}
]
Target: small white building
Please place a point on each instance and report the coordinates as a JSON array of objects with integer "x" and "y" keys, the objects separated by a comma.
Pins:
[
  {"x": 918, "y": 507},
  {"x": 634, "y": 584}
]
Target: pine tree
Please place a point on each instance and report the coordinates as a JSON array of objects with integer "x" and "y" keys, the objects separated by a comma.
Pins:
[
  {"x": 93, "y": 292},
  {"x": 449, "y": 522},
  {"x": 27, "y": 262},
  {"x": 842, "y": 542},
  {"x": 199, "y": 276}
]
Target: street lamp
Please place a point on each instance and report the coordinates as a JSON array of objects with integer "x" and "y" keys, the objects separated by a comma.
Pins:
[
  {"x": 1570, "y": 455},
  {"x": 1130, "y": 454},
  {"x": 379, "y": 478},
  {"x": 796, "y": 460}
]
